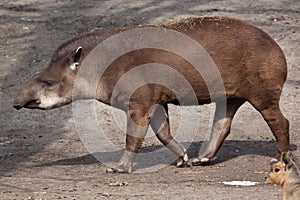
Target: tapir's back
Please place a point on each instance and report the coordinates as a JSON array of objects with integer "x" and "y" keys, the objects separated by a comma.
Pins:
[{"x": 248, "y": 59}]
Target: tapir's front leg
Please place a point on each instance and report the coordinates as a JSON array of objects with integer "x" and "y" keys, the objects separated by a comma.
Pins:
[
  {"x": 137, "y": 125},
  {"x": 161, "y": 126}
]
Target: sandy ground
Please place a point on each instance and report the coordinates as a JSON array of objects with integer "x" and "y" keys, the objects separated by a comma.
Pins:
[{"x": 41, "y": 154}]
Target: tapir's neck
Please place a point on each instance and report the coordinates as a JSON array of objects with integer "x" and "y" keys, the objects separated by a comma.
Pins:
[{"x": 87, "y": 83}]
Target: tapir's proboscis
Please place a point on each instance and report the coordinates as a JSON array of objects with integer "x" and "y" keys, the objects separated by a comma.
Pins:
[{"x": 251, "y": 64}]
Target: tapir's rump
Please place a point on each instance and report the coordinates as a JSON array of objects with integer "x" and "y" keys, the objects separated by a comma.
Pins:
[{"x": 252, "y": 67}]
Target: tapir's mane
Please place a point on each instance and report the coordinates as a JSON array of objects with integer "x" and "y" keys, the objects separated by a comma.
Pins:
[
  {"x": 87, "y": 41},
  {"x": 193, "y": 21},
  {"x": 90, "y": 40}
]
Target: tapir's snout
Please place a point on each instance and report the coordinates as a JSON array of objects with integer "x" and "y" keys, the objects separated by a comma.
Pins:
[
  {"x": 26, "y": 103},
  {"x": 17, "y": 106},
  {"x": 27, "y": 96},
  {"x": 36, "y": 94},
  {"x": 19, "y": 101}
]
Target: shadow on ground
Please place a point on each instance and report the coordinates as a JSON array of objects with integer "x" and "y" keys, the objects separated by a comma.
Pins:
[{"x": 230, "y": 150}]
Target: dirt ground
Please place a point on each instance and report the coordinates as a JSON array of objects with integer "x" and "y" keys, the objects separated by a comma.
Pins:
[{"x": 41, "y": 154}]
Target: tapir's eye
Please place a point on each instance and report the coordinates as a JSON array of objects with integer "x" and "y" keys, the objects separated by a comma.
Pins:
[
  {"x": 276, "y": 170},
  {"x": 48, "y": 83}
]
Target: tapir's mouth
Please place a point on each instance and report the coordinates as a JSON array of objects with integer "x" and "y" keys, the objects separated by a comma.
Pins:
[{"x": 33, "y": 104}]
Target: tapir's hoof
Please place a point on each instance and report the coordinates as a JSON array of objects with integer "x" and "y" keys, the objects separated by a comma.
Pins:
[
  {"x": 118, "y": 170},
  {"x": 200, "y": 161},
  {"x": 182, "y": 161}
]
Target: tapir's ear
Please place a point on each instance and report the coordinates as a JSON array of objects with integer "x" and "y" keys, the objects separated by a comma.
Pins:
[
  {"x": 76, "y": 58},
  {"x": 288, "y": 159},
  {"x": 78, "y": 54}
]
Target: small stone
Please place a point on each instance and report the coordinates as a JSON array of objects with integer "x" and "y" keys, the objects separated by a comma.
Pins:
[
  {"x": 117, "y": 184},
  {"x": 204, "y": 160}
]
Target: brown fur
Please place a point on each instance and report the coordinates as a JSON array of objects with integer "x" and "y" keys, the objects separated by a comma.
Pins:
[
  {"x": 285, "y": 173},
  {"x": 251, "y": 64}
]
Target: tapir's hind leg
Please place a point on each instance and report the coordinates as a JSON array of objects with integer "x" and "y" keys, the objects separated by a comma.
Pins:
[
  {"x": 224, "y": 114},
  {"x": 278, "y": 124},
  {"x": 161, "y": 127}
]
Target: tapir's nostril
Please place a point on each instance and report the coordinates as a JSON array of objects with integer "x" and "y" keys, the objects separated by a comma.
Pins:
[{"x": 17, "y": 106}]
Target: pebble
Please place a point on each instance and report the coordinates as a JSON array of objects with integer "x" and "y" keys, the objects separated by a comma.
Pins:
[{"x": 117, "y": 184}]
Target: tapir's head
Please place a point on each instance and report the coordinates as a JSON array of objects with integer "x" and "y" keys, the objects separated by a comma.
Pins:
[{"x": 53, "y": 87}]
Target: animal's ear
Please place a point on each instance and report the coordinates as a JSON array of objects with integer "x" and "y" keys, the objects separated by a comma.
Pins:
[
  {"x": 76, "y": 58},
  {"x": 288, "y": 159},
  {"x": 78, "y": 55}
]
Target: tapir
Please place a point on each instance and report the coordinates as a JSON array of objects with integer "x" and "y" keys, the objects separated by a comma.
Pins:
[{"x": 251, "y": 64}]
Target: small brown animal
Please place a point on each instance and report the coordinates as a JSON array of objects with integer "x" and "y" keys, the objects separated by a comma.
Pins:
[
  {"x": 251, "y": 64},
  {"x": 286, "y": 174}
]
